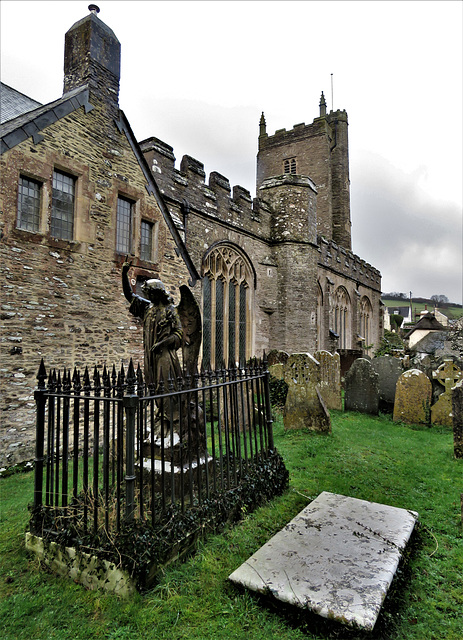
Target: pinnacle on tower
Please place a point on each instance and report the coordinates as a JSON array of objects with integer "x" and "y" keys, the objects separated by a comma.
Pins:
[
  {"x": 322, "y": 106},
  {"x": 262, "y": 126}
]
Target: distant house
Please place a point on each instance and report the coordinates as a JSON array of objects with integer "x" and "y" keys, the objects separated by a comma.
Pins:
[
  {"x": 427, "y": 324},
  {"x": 399, "y": 311}
]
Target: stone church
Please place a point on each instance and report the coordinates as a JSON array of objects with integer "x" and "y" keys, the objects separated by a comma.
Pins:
[{"x": 78, "y": 193}]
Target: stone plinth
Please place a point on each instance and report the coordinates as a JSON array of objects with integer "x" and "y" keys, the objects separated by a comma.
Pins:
[
  {"x": 337, "y": 557},
  {"x": 413, "y": 398}
]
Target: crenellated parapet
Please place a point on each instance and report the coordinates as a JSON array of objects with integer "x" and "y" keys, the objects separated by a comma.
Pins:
[
  {"x": 343, "y": 262},
  {"x": 186, "y": 189}
]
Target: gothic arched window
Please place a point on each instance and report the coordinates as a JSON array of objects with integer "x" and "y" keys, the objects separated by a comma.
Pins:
[
  {"x": 289, "y": 165},
  {"x": 227, "y": 307},
  {"x": 341, "y": 317},
  {"x": 320, "y": 323},
  {"x": 365, "y": 312}
]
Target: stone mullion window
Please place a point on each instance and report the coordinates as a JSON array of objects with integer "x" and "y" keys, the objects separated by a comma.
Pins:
[
  {"x": 62, "y": 206},
  {"x": 207, "y": 320},
  {"x": 146, "y": 241},
  {"x": 232, "y": 315},
  {"x": 219, "y": 322},
  {"x": 244, "y": 337},
  {"x": 227, "y": 331},
  {"x": 29, "y": 196},
  {"x": 124, "y": 226}
]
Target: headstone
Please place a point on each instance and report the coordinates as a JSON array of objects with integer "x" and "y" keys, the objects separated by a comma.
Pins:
[
  {"x": 388, "y": 369},
  {"x": 330, "y": 378},
  {"x": 276, "y": 357},
  {"x": 447, "y": 375},
  {"x": 457, "y": 418},
  {"x": 413, "y": 398},
  {"x": 336, "y": 558},
  {"x": 277, "y": 370},
  {"x": 361, "y": 388},
  {"x": 303, "y": 408}
]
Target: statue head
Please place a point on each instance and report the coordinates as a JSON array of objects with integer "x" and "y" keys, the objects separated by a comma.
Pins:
[{"x": 155, "y": 291}]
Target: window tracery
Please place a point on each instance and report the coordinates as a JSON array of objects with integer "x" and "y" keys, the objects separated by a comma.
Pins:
[
  {"x": 341, "y": 317},
  {"x": 227, "y": 290}
]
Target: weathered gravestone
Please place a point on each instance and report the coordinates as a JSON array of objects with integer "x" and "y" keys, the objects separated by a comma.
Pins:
[
  {"x": 277, "y": 357},
  {"x": 330, "y": 378},
  {"x": 361, "y": 388},
  {"x": 457, "y": 418},
  {"x": 389, "y": 370},
  {"x": 304, "y": 406},
  {"x": 448, "y": 375},
  {"x": 413, "y": 398}
]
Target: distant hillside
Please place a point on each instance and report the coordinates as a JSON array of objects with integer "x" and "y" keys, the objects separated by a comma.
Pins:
[{"x": 452, "y": 310}]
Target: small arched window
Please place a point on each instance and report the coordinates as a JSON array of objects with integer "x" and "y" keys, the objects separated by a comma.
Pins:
[{"x": 289, "y": 165}]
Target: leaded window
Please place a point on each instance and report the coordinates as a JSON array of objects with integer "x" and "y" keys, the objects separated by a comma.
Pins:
[
  {"x": 227, "y": 303},
  {"x": 29, "y": 204},
  {"x": 62, "y": 206},
  {"x": 124, "y": 225},
  {"x": 146, "y": 240}
]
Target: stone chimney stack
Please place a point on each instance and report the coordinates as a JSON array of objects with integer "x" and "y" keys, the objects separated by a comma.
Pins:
[{"x": 92, "y": 57}]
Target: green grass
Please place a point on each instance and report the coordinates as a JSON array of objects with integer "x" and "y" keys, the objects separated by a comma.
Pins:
[{"x": 364, "y": 457}]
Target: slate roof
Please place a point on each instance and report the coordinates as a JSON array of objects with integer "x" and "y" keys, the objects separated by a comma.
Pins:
[
  {"x": 32, "y": 122},
  {"x": 13, "y": 103}
]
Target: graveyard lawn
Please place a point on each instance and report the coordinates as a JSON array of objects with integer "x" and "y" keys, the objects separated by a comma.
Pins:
[{"x": 370, "y": 458}]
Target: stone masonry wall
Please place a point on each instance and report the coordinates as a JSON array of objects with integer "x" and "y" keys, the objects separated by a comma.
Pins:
[{"x": 63, "y": 300}]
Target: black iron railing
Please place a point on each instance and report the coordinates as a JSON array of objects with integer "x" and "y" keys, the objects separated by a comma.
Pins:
[{"x": 110, "y": 449}]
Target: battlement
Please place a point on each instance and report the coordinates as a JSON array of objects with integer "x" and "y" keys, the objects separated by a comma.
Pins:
[
  {"x": 343, "y": 261},
  {"x": 215, "y": 198},
  {"x": 320, "y": 126}
]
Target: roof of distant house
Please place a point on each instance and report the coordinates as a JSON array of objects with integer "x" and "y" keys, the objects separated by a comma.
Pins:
[
  {"x": 426, "y": 323},
  {"x": 13, "y": 103}
]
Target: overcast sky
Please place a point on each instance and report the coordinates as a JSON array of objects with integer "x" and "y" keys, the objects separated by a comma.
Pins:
[{"x": 197, "y": 75}]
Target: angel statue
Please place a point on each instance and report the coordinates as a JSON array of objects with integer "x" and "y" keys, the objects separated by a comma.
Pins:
[{"x": 166, "y": 328}]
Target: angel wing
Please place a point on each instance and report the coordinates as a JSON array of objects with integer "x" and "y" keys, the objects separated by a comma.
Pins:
[{"x": 190, "y": 317}]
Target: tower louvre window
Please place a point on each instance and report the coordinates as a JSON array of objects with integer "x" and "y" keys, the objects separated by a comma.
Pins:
[{"x": 289, "y": 165}]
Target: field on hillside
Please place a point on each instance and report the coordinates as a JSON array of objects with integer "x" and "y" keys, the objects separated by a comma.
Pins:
[{"x": 451, "y": 312}]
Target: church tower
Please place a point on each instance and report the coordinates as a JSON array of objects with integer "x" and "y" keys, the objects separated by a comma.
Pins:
[{"x": 320, "y": 152}]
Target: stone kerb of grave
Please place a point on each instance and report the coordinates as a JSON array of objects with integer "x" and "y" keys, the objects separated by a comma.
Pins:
[
  {"x": 413, "y": 398},
  {"x": 361, "y": 388},
  {"x": 448, "y": 374},
  {"x": 304, "y": 406},
  {"x": 389, "y": 370},
  {"x": 330, "y": 378},
  {"x": 457, "y": 418}
]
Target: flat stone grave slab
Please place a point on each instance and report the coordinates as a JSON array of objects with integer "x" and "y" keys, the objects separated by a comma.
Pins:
[{"x": 337, "y": 558}]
